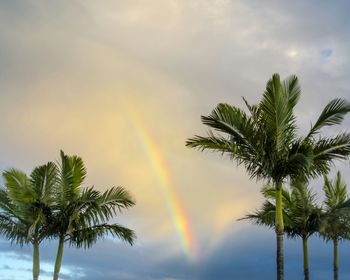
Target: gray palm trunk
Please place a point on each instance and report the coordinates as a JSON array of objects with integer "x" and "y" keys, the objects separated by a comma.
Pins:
[
  {"x": 58, "y": 261},
  {"x": 279, "y": 227},
  {"x": 280, "y": 258},
  {"x": 335, "y": 258},
  {"x": 36, "y": 264},
  {"x": 306, "y": 258}
]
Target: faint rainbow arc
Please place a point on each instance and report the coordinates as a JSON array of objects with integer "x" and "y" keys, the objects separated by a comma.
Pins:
[{"x": 173, "y": 203}]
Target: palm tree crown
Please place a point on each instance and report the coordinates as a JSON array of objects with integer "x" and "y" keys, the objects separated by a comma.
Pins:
[
  {"x": 82, "y": 214},
  {"x": 265, "y": 139},
  {"x": 300, "y": 211},
  {"x": 335, "y": 223}
]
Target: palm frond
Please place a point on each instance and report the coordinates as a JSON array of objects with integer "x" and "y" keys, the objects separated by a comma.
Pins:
[
  {"x": 88, "y": 236},
  {"x": 43, "y": 182},
  {"x": 234, "y": 122},
  {"x": 277, "y": 106},
  {"x": 292, "y": 90},
  {"x": 72, "y": 175},
  {"x": 269, "y": 193},
  {"x": 254, "y": 111},
  {"x": 116, "y": 197},
  {"x": 13, "y": 230},
  {"x": 265, "y": 216},
  {"x": 212, "y": 142},
  {"x": 335, "y": 192},
  {"x": 16, "y": 183},
  {"x": 327, "y": 150},
  {"x": 332, "y": 114}
]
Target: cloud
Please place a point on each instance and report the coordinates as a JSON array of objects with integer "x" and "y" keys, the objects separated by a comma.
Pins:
[
  {"x": 247, "y": 252},
  {"x": 72, "y": 71}
]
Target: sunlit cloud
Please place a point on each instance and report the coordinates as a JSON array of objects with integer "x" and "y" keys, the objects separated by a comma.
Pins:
[{"x": 292, "y": 53}]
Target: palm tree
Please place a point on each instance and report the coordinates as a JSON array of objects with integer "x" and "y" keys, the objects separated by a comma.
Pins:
[
  {"x": 335, "y": 226},
  {"x": 300, "y": 213},
  {"x": 25, "y": 204},
  {"x": 81, "y": 215},
  {"x": 265, "y": 141}
]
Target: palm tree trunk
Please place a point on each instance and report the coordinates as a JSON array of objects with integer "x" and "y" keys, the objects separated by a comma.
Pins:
[
  {"x": 279, "y": 232},
  {"x": 36, "y": 264},
  {"x": 279, "y": 258},
  {"x": 306, "y": 258},
  {"x": 58, "y": 258},
  {"x": 335, "y": 258}
]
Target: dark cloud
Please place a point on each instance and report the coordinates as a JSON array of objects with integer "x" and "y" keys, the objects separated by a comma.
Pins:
[{"x": 248, "y": 253}]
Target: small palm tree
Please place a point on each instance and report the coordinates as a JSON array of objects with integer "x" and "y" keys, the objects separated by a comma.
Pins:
[
  {"x": 265, "y": 141},
  {"x": 81, "y": 215},
  {"x": 25, "y": 204},
  {"x": 335, "y": 225},
  {"x": 300, "y": 213}
]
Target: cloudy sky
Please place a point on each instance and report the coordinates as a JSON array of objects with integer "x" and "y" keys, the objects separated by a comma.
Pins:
[{"x": 123, "y": 84}]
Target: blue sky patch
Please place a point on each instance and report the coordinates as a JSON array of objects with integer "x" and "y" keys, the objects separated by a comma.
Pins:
[{"x": 326, "y": 53}]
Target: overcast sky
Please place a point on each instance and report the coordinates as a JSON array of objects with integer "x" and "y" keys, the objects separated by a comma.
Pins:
[{"x": 104, "y": 79}]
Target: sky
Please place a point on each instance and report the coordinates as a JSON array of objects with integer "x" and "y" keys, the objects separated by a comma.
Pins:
[{"x": 123, "y": 85}]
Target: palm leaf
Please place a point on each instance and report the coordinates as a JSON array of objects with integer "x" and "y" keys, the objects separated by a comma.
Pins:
[
  {"x": 88, "y": 236},
  {"x": 44, "y": 181},
  {"x": 277, "y": 106},
  {"x": 332, "y": 114}
]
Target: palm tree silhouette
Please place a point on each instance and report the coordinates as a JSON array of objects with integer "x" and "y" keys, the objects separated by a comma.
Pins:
[
  {"x": 82, "y": 214},
  {"x": 265, "y": 141},
  {"x": 335, "y": 225}
]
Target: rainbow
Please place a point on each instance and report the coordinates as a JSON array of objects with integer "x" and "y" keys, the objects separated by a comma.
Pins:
[{"x": 173, "y": 203}]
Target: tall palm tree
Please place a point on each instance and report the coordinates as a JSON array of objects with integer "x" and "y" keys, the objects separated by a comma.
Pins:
[
  {"x": 335, "y": 226},
  {"x": 25, "y": 204},
  {"x": 81, "y": 215},
  {"x": 300, "y": 213},
  {"x": 265, "y": 141}
]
